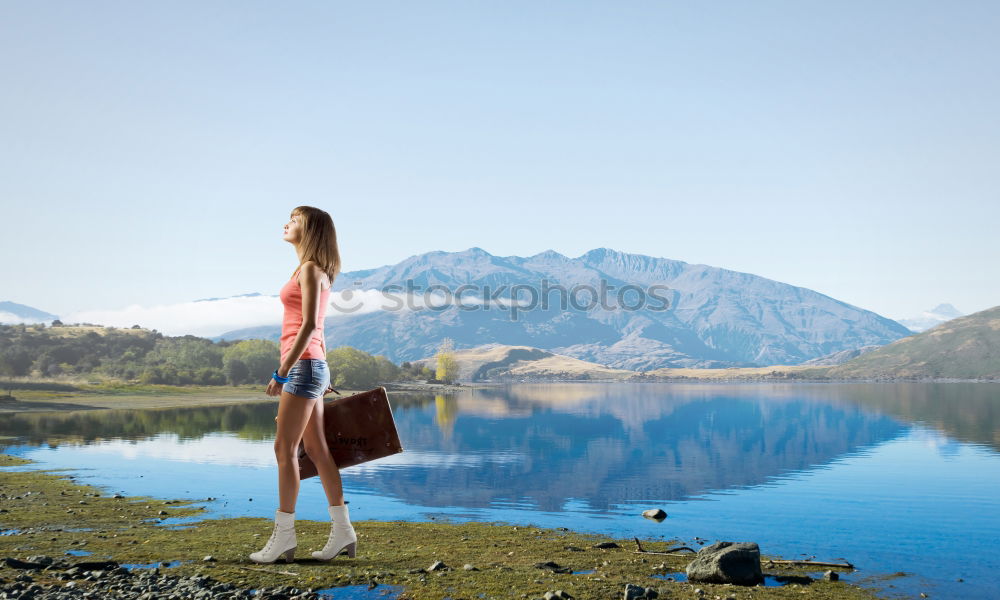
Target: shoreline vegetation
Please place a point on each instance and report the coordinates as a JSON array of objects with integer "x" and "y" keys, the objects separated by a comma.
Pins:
[
  {"x": 39, "y": 396},
  {"x": 36, "y": 396},
  {"x": 47, "y": 514},
  {"x": 84, "y": 366}
]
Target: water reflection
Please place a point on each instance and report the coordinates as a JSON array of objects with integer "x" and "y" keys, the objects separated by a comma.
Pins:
[
  {"x": 836, "y": 470},
  {"x": 537, "y": 444},
  {"x": 598, "y": 442}
]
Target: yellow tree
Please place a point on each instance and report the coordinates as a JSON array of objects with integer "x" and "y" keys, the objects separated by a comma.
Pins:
[{"x": 447, "y": 366}]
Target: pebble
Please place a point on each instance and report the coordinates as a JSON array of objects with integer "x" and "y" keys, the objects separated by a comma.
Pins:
[
  {"x": 438, "y": 566},
  {"x": 654, "y": 513},
  {"x": 637, "y": 592},
  {"x": 553, "y": 566}
]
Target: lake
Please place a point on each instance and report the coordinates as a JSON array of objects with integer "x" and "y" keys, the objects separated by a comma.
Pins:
[{"x": 890, "y": 477}]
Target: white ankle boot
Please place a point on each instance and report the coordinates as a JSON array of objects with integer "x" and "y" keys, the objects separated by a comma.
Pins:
[
  {"x": 282, "y": 540},
  {"x": 342, "y": 535}
]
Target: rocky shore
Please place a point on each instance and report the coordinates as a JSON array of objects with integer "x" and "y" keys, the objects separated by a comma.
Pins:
[
  {"x": 61, "y": 539},
  {"x": 45, "y": 578}
]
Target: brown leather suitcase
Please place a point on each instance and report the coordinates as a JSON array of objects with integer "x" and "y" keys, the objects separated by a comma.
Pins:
[{"x": 359, "y": 428}]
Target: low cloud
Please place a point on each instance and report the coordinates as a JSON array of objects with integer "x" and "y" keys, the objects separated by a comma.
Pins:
[
  {"x": 12, "y": 319},
  {"x": 208, "y": 318},
  {"x": 202, "y": 318}
]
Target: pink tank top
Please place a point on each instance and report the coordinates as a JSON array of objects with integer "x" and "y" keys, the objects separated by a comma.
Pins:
[{"x": 291, "y": 298}]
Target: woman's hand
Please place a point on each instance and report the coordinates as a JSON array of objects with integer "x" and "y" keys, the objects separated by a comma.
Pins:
[{"x": 273, "y": 387}]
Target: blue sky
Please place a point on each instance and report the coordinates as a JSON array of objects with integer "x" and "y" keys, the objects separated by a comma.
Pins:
[{"x": 151, "y": 152}]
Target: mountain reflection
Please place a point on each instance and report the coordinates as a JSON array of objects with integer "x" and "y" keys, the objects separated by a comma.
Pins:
[{"x": 603, "y": 444}]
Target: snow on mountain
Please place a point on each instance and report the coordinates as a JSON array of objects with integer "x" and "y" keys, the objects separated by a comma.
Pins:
[{"x": 930, "y": 318}]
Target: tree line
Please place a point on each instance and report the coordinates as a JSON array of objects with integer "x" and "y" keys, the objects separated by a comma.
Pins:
[{"x": 137, "y": 355}]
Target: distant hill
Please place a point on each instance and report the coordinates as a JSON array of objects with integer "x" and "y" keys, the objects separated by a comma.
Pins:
[
  {"x": 497, "y": 362},
  {"x": 931, "y": 318},
  {"x": 716, "y": 317},
  {"x": 838, "y": 358},
  {"x": 12, "y": 312},
  {"x": 769, "y": 373},
  {"x": 963, "y": 348}
]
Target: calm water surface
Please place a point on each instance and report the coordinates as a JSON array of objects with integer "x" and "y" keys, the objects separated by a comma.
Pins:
[{"x": 891, "y": 477}]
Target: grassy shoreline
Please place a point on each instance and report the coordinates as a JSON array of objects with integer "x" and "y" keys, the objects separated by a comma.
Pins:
[
  {"x": 37, "y": 396},
  {"x": 45, "y": 396},
  {"x": 60, "y": 514}
]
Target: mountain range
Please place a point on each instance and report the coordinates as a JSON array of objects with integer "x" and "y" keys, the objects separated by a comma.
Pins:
[{"x": 715, "y": 318}]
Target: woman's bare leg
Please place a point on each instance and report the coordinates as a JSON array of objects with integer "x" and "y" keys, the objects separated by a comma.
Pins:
[
  {"x": 314, "y": 441},
  {"x": 293, "y": 414}
]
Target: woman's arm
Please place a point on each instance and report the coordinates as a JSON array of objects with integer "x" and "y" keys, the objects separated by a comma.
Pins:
[{"x": 310, "y": 276}]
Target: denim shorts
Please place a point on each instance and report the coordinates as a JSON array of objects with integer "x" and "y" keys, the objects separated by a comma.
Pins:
[{"x": 308, "y": 378}]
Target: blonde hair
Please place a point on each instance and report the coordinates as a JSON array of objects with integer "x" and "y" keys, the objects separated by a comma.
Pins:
[{"x": 319, "y": 240}]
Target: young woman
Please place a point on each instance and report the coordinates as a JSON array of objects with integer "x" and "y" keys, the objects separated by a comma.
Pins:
[{"x": 301, "y": 379}]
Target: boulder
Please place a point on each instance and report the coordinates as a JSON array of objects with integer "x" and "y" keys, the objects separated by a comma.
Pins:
[
  {"x": 727, "y": 562},
  {"x": 637, "y": 592}
]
